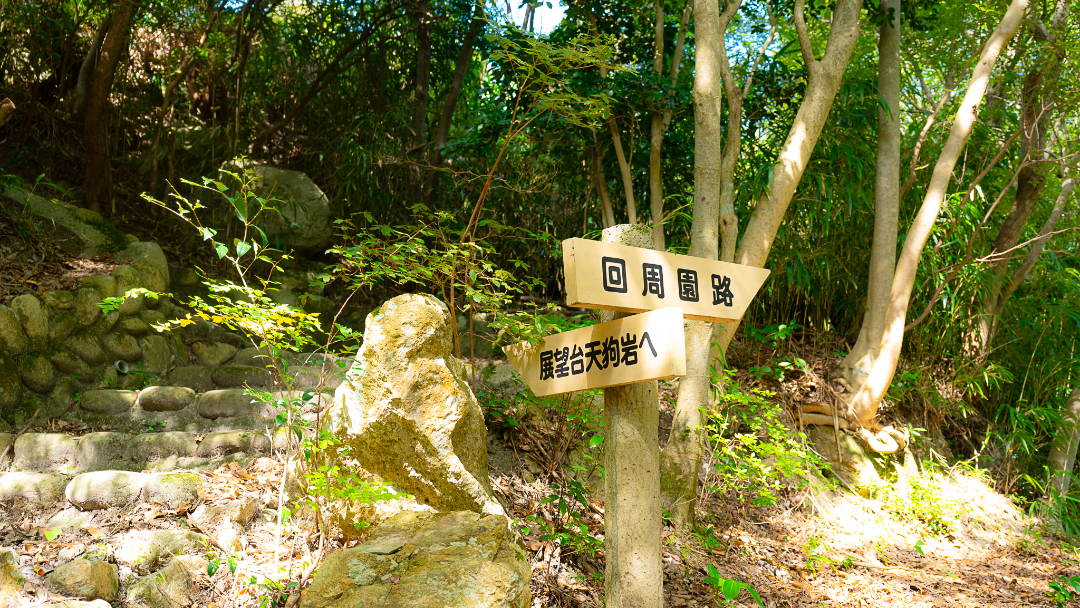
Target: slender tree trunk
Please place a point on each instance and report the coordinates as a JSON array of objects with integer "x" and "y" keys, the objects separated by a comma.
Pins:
[
  {"x": 860, "y": 360},
  {"x": 825, "y": 76},
  {"x": 86, "y": 71},
  {"x": 423, "y": 77},
  {"x": 461, "y": 68},
  {"x": 625, "y": 170},
  {"x": 1063, "y": 453},
  {"x": 607, "y": 215},
  {"x": 656, "y": 139},
  {"x": 97, "y": 181},
  {"x": 680, "y": 461},
  {"x": 866, "y": 400}
]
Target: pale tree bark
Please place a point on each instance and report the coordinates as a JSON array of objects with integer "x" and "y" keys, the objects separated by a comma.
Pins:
[
  {"x": 1063, "y": 453},
  {"x": 886, "y": 202},
  {"x": 660, "y": 119},
  {"x": 867, "y": 399},
  {"x": 680, "y": 461},
  {"x": 824, "y": 78},
  {"x": 7, "y": 110},
  {"x": 97, "y": 181},
  {"x": 86, "y": 71},
  {"x": 461, "y": 69}
]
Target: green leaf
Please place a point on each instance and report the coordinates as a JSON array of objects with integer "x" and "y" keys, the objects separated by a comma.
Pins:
[
  {"x": 221, "y": 250},
  {"x": 596, "y": 440},
  {"x": 242, "y": 247}
]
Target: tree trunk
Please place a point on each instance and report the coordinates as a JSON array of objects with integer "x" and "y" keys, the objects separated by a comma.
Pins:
[
  {"x": 461, "y": 69},
  {"x": 825, "y": 76},
  {"x": 656, "y": 138},
  {"x": 680, "y": 461},
  {"x": 866, "y": 400},
  {"x": 607, "y": 215},
  {"x": 423, "y": 77},
  {"x": 1063, "y": 453},
  {"x": 86, "y": 72},
  {"x": 625, "y": 170},
  {"x": 886, "y": 202},
  {"x": 97, "y": 181}
]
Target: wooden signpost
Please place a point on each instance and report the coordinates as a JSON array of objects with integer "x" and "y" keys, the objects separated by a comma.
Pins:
[
  {"x": 609, "y": 276},
  {"x": 625, "y": 357},
  {"x": 649, "y": 346}
]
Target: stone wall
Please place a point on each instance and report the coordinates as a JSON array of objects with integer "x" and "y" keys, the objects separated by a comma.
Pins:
[{"x": 60, "y": 344}]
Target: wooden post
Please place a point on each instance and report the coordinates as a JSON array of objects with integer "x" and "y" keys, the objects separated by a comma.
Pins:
[{"x": 632, "y": 518}]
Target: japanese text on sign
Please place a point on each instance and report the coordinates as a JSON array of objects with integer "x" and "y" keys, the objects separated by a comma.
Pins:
[
  {"x": 631, "y": 279},
  {"x": 648, "y": 346}
]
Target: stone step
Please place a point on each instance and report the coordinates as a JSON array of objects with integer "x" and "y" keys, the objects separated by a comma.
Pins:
[
  {"x": 160, "y": 451},
  {"x": 176, "y": 408}
]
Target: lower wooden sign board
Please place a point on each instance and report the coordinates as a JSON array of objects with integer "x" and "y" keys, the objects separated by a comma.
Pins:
[{"x": 649, "y": 346}]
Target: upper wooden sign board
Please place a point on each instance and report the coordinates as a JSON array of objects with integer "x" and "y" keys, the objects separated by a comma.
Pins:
[
  {"x": 631, "y": 279},
  {"x": 649, "y": 346}
]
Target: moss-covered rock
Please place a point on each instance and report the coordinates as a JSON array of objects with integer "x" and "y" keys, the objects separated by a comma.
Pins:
[
  {"x": 13, "y": 340},
  {"x": 37, "y": 372}
]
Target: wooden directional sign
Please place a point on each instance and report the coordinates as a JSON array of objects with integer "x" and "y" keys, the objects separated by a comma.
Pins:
[
  {"x": 631, "y": 279},
  {"x": 649, "y": 346}
]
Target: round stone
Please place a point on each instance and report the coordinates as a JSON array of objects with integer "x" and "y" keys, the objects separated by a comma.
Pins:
[
  {"x": 108, "y": 401},
  {"x": 12, "y": 337},
  {"x": 87, "y": 346},
  {"x": 86, "y": 305},
  {"x": 166, "y": 398},
  {"x": 134, "y": 326},
  {"x": 122, "y": 346},
  {"x": 34, "y": 318},
  {"x": 37, "y": 373},
  {"x": 104, "y": 489}
]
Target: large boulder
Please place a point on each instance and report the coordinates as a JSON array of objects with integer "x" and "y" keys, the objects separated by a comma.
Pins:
[
  {"x": 427, "y": 560},
  {"x": 300, "y": 217},
  {"x": 407, "y": 414}
]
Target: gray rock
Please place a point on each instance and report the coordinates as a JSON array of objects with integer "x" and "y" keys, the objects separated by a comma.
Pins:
[
  {"x": 145, "y": 551},
  {"x": 213, "y": 355},
  {"x": 37, "y": 373},
  {"x": 108, "y": 401},
  {"x": 68, "y": 363},
  {"x": 40, "y": 490},
  {"x": 104, "y": 452},
  {"x": 5, "y": 441},
  {"x": 70, "y": 519},
  {"x": 195, "y": 377},
  {"x": 250, "y": 356},
  {"x": 148, "y": 259},
  {"x": 173, "y": 490},
  {"x": 326, "y": 376},
  {"x": 235, "y": 376},
  {"x": 46, "y": 452},
  {"x": 155, "y": 353},
  {"x": 87, "y": 310},
  {"x": 166, "y": 398},
  {"x": 106, "y": 322},
  {"x": 34, "y": 318},
  {"x": 94, "y": 235},
  {"x": 122, "y": 346},
  {"x": 428, "y": 560},
  {"x": 134, "y": 326},
  {"x": 61, "y": 324},
  {"x": 152, "y": 317},
  {"x": 11, "y": 579},
  {"x": 12, "y": 338},
  {"x": 226, "y": 403},
  {"x": 60, "y": 300},
  {"x": 407, "y": 412},
  {"x": 170, "y": 587},
  {"x": 87, "y": 579},
  {"x": 104, "y": 284},
  {"x": 151, "y": 449},
  {"x": 302, "y": 217},
  {"x": 224, "y": 523},
  {"x": 187, "y": 277},
  {"x": 222, "y": 443},
  {"x": 319, "y": 304},
  {"x": 87, "y": 346},
  {"x": 11, "y": 387},
  {"x": 104, "y": 489},
  {"x": 127, "y": 278}
]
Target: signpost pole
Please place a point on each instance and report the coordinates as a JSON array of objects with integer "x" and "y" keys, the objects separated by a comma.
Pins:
[{"x": 633, "y": 521}]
